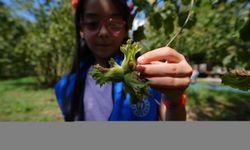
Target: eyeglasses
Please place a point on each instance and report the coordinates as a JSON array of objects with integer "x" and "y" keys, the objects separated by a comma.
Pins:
[{"x": 114, "y": 26}]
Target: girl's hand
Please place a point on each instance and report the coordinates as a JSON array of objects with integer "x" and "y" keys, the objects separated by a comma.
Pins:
[{"x": 167, "y": 70}]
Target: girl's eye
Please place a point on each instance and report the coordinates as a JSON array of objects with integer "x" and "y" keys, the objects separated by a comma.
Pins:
[
  {"x": 116, "y": 25},
  {"x": 92, "y": 25}
]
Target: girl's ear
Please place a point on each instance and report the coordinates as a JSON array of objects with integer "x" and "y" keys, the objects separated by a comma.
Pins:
[{"x": 82, "y": 34}]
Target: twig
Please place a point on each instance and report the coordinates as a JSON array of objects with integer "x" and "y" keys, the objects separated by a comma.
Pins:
[{"x": 180, "y": 31}]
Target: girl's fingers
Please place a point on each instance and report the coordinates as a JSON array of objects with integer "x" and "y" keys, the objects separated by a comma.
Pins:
[
  {"x": 162, "y": 111},
  {"x": 174, "y": 73},
  {"x": 164, "y": 53},
  {"x": 169, "y": 82},
  {"x": 166, "y": 69}
]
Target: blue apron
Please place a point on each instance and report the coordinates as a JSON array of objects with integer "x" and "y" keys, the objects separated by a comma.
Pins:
[{"x": 145, "y": 110}]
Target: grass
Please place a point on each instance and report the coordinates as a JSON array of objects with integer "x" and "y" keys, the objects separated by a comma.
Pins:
[
  {"x": 212, "y": 105},
  {"x": 22, "y": 100}
]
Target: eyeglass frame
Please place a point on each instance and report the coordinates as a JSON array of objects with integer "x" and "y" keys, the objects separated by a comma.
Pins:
[{"x": 104, "y": 22}]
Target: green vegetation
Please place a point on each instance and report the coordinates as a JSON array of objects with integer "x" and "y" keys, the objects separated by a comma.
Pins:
[
  {"x": 217, "y": 32},
  {"x": 212, "y": 105},
  {"x": 43, "y": 47},
  {"x": 239, "y": 79},
  {"x": 22, "y": 100},
  {"x": 126, "y": 73}
]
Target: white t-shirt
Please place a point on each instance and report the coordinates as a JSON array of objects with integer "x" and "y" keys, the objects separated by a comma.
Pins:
[{"x": 98, "y": 103}]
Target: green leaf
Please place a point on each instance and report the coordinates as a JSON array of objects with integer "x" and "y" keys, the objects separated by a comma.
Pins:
[
  {"x": 168, "y": 25},
  {"x": 138, "y": 35},
  {"x": 237, "y": 80},
  {"x": 183, "y": 16},
  {"x": 185, "y": 2},
  {"x": 126, "y": 73},
  {"x": 136, "y": 86},
  {"x": 155, "y": 20},
  {"x": 245, "y": 31}
]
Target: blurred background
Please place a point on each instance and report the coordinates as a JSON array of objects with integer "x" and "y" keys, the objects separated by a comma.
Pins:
[{"x": 37, "y": 44}]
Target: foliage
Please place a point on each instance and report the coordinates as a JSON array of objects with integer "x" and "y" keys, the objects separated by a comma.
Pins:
[
  {"x": 239, "y": 79},
  {"x": 12, "y": 59},
  {"x": 44, "y": 46},
  {"x": 126, "y": 73},
  {"x": 217, "y": 33},
  {"x": 164, "y": 19},
  {"x": 51, "y": 42}
]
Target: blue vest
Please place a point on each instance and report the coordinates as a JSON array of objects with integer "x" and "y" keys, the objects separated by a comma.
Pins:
[{"x": 145, "y": 110}]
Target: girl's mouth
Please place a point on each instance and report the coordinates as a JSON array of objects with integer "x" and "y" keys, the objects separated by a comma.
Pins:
[{"x": 104, "y": 45}]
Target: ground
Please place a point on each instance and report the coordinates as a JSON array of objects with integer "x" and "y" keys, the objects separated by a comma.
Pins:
[{"x": 23, "y": 100}]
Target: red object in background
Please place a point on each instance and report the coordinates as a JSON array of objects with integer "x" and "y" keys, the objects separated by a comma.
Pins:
[
  {"x": 74, "y": 3},
  {"x": 181, "y": 103},
  {"x": 131, "y": 7}
]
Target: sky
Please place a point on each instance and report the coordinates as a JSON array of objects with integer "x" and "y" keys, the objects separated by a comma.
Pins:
[
  {"x": 15, "y": 11},
  {"x": 139, "y": 20}
]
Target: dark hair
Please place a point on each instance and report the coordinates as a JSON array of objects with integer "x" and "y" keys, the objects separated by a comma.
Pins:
[{"x": 74, "y": 107}]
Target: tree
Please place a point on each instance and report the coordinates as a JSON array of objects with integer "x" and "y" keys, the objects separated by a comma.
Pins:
[
  {"x": 49, "y": 42},
  {"x": 12, "y": 31},
  {"x": 217, "y": 32},
  {"x": 53, "y": 42}
]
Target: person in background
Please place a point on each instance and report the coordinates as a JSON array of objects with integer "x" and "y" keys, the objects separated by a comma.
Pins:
[{"x": 195, "y": 74}]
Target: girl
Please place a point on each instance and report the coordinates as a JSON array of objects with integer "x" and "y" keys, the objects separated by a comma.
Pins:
[{"x": 101, "y": 28}]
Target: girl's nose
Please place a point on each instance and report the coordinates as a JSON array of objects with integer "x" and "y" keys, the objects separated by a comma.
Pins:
[{"x": 103, "y": 31}]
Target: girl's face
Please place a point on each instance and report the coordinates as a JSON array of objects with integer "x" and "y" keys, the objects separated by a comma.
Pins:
[{"x": 102, "y": 28}]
